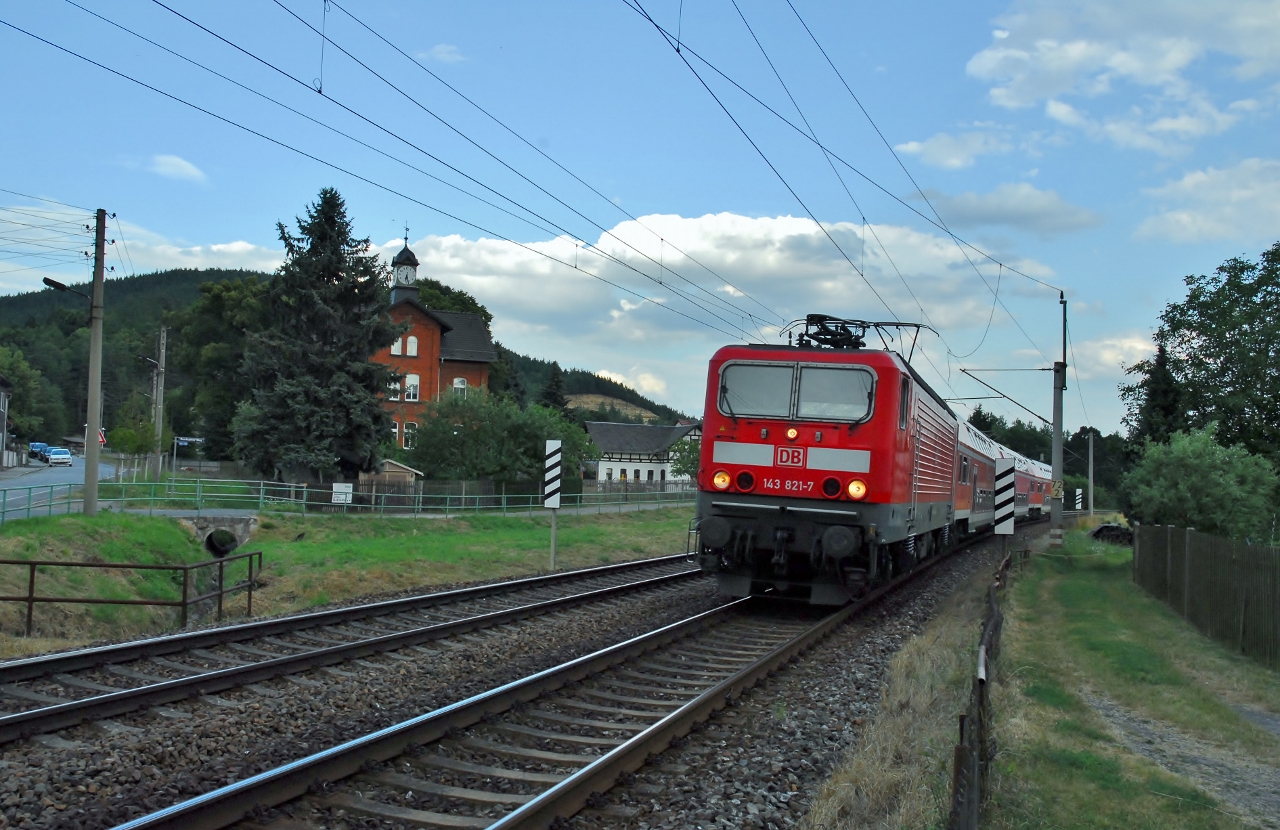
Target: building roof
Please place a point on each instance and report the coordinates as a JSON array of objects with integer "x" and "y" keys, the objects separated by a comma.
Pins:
[
  {"x": 405, "y": 257},
  {"x": 466, "y": 337},
  {"x": 636, "y": 438},
  {"x": 390, "y": 465}
]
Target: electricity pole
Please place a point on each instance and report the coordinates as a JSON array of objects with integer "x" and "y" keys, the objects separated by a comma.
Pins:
[
  {"x": 92, "y": 448},
  {"x": 1090, "y": 472},
  {"x": 159, "y": 405},
  {"x": 1059, "y": 386}
]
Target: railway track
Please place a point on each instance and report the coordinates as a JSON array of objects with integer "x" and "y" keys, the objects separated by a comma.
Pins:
[
  {"x": 534, "y": 750},
  {"x": 43, "y": 694}
]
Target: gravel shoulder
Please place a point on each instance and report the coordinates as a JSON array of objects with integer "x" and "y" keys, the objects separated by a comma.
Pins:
[
  {"x": 759, "y": 762},
  {"x": 100, "y": 775}
]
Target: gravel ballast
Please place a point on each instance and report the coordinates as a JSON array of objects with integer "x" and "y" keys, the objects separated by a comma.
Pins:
[{"x": 102, "y": 774}]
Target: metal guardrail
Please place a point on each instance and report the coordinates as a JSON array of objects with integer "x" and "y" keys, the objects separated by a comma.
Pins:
[
  {"x": 34, "y": 566},
  {"x": 202, "y": 494}
]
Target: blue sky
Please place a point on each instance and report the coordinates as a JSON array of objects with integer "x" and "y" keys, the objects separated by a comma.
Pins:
[{"x": 1107, "y": 148}]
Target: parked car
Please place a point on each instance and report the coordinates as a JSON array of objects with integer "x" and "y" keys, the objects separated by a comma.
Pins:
[
  {"x": 59, "y": 457},
  {"x": 35, "y": 448}
]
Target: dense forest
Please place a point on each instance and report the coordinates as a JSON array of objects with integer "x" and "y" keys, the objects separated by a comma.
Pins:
[{"x": 44, "y": 348}]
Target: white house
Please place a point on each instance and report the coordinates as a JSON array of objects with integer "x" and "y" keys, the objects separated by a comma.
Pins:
[{"x": 638, "y": 453}]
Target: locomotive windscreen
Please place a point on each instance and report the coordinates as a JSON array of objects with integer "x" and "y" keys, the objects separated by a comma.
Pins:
[
  {"x": 825, "y": 393},
  {"x": 760, "y": 389},
  {"x": 834, "y": 394}
]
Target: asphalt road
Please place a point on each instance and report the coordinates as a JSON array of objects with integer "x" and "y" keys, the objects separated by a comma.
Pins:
[{"x": 30, "y": 486}]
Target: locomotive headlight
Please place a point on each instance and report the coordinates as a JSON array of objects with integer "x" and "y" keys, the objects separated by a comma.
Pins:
[
  {"x": 857, "y": 489},
  {"x": 721, "y": 480},
  {"x": 793, "y": 434}
]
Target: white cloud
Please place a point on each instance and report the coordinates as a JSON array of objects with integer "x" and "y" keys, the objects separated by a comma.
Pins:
[
  {"x": 176, "y": 167},
  {"x": 1106, "y": 357},
  {"x": 645, "y": 383},
  {"x": 1047, "y": 50},
  {"x": 1015, "y": 205},
  {"x": 443, "y": 52},
  {"x": 1240, "y": 202},
  {"x": 956, "y": 151}
]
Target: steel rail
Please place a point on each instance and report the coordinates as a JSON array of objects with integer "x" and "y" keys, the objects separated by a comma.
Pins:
[
  {"x": 45, "y": 665},
  {"x": 227, "y": 805},
  {"x": 61, "y": 716}
]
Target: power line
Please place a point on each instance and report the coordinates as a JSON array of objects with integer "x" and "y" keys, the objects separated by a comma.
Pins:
[
  {"x": 120, "y": 231},
  {"x": 354, "y": 175},
  {"x": 434, "y": 157},
  {"x": 513, "y": 170},
  {"x": 546, "y": 156},
  {"x": 635, "y": 6},
  {"x": 42, "y": 199}
]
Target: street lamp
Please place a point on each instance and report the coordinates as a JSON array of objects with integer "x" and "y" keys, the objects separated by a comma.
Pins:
[{"x": 94, "y": 428}]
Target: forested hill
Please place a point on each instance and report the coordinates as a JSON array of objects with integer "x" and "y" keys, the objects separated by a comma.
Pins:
[
  {"x": 140, "y": 300},
  {"x": 46, "y": 331}
]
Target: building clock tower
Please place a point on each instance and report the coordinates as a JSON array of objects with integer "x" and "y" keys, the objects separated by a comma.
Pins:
[{"x": 405, "y": 274}]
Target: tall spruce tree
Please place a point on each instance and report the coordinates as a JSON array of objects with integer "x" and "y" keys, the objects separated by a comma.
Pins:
[
  {"x": 552, "y": 394},
  {"x": 1160, "y": 413},
  {"x": 315, "y": 409}
]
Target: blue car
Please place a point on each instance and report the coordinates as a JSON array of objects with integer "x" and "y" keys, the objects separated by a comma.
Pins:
[{"x": 36, "y": 449}]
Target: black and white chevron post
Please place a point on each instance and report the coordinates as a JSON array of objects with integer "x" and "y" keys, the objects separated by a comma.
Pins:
[
  {"x": 551, "y": 490},
  {"x": 1079, "y": 499},
  {"x": 551, "y": 479},
  {"x": 1006, "y": 496}
]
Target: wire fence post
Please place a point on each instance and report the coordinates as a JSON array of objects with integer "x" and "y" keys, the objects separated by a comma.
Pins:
[
  {"x": 262, "y": 497},
  {"x": 31, "y": 597}
]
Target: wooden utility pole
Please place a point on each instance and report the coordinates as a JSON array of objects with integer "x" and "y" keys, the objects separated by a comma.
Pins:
[{"x": 92, "y": 449}]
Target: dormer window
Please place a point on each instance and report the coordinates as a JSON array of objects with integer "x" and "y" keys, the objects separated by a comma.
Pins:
[
  {"x": 398, "y": 346},
  {"x": 411, "y": 346}
]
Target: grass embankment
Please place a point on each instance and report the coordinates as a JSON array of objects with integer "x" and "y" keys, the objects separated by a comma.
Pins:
[
  {"x": 899, "y": 775},
  {"x": 308, "y": 562},
  {"x": 106, "y": 538},
  {"x": 1089, "y": 661},
  {"x": 341, "y": 557}
]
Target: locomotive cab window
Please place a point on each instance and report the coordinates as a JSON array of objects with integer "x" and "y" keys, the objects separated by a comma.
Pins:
[
  {"x": 834, "y": 394},
  {"x": 757, "y": 389},
  {"x": 904, "y": 402}
]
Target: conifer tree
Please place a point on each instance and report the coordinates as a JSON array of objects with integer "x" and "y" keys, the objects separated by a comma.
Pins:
[
  {"x": 1160, "y": 414},
  {"x": 315, "y": 409},
  {"x": 552, "y": 395}
]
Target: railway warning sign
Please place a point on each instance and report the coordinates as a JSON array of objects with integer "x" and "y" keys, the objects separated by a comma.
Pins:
[
  {"x": 341, "y": 493},
  {"x": 551, "y": 478},
  {"x": 1006, "y": 496},
  {"x": 1079, "y": 499}
]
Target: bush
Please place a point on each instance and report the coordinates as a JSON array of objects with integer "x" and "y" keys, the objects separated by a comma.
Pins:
[{"x": 1193, "y": 481}]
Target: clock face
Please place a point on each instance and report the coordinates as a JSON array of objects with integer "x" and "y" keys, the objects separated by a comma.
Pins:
[{"x": 404, "y": 274}]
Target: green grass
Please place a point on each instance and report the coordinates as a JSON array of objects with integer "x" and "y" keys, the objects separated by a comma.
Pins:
[
  {"x": 339, "y": 557},
  {"x": 1078, "y": 628}
]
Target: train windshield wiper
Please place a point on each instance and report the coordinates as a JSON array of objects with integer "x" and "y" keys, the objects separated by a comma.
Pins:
[{"x": 724, "y": 399}]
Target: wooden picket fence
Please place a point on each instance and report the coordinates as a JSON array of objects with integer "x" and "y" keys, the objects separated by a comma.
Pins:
[{"x": 1227, "y": 588}]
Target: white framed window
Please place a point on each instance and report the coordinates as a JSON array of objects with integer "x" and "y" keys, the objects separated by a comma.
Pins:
[
  {"x": 411, "y": 387},
  {"x": 650, "y": 476},
  {"x": 396, "y": 347},
  {"x": 637, "y": 477},
  {"x": 411, "y": 346},
  {"x": 410, "y": 434},
  {"x": 395, "y": 432},
  {"x": 608, "y": 474},
  {"x": 393, "y": 391}
]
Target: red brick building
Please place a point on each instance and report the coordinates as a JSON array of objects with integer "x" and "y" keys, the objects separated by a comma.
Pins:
[{"x": 443, "y": 352}]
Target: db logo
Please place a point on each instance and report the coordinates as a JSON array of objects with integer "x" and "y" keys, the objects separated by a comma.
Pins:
[{"x": 790, "y": 457}]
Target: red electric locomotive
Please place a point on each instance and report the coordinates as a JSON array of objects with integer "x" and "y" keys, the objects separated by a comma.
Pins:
[{"x": 828, "y": 467}]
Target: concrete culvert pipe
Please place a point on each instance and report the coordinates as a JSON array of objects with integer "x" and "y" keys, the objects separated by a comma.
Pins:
[{"x": 221, "y": 542}]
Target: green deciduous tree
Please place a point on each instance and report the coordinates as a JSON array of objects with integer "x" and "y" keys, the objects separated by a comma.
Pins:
[
  {"x": 1194, "y": 481},
  {"x": 209, "y": 346},
  {"x": 315, "y": 408},
  {"x": 1222, "y": 347},
  {"x": 437, "y": 296},
  {"x": 486, "y": 436},
  {"x": 684, "y": 458},
  {"x": 35, "y": 407}
]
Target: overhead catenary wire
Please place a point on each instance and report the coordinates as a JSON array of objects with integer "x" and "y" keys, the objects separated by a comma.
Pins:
[
  {"x": 547, "y": 156},
  {"x": 354, "y": 175},
  {"x": 635, "y": 6},
  {"x": 595, "y": 249},
  {"x": 444, "y": 122},
  {"x": 43, "y": 199}
]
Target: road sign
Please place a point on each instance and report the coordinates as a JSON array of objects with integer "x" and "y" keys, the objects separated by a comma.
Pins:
[
  {"x": 342, "y": 493},
  {"x": 1006, "y": 496},
  {"x": 551, "y": 479}
]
